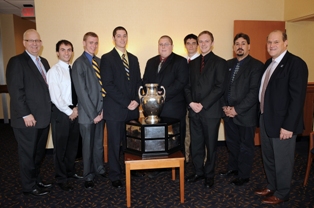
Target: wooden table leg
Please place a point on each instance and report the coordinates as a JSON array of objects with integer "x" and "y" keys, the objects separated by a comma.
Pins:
[
  {"x": 128, "y": 184},
  {"x": 181, "y": 181},
  {"x": 173, "y": 171}
]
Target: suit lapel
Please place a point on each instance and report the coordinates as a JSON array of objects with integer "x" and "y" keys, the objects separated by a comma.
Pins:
[
  {"x": 34, "y": 68},
  {"x": 280, "y": 67}
]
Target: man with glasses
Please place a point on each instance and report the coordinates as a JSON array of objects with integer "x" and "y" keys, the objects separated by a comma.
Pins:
[
  {"x": 30, "y": 111},
  {"x": 170, "y": 71}
]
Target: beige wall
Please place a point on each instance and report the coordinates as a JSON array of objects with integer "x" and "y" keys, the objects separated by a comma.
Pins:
[
  {"x": 146, "y": 21},
  {"x": 300, "y": 37},
  {"x": 296, "y": 9}
]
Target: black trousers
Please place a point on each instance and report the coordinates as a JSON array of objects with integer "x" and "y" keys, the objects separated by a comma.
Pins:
[
  {"x": 65, "y": 137},
  {"x": 204, "y": 133},
  {"x": 240, "y": 143},
  {"x": 31, "y": 149}
]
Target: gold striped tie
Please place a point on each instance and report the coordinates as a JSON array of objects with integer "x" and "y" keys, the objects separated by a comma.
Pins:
[
  {"x": 97, "y": 72},
  {"x": 126, "y": 66}
]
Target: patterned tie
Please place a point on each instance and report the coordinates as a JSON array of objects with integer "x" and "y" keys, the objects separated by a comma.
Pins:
[
  {"x": 236, "y": 69},
  {"x": 41, "y": 69},
  {"x": 73, "y": 92},
  {"x": 160, "y": 65},
  {"x": 265, "y": 83},
  {"x": 97, "y": 72},
  {"x": 126, "y": 66},
  {"x": 202, "y": 64}
]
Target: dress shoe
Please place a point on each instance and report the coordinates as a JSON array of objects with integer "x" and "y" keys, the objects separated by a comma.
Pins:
[
  {"x": 263, "y": 192},
  {"x": 36, "y": 192},
  {"x": 89, "y": 185},
  {"x": 272, "y": 200},
  {"x": 117, "y": 184},
  {"x": 76, "y": 177},
  {"x": 229, "y": 173},
  {"x": 194, "y": 178},
  {"x": 137, "y": 174},
  {"x": 65, "y": 186},
  {"x": 239, "y": 181},
  {"x": 42, "y": 185},
  {"x": 209, "y": 182}
]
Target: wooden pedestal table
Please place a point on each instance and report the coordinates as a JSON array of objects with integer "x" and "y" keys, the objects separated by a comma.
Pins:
[{"x": 134, "y": 162}]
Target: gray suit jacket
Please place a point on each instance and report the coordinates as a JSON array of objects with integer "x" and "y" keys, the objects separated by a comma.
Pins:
[{"x": 88, "y": 89}]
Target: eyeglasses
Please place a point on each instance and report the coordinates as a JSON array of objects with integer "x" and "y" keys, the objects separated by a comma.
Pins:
[
  {"x": 33, "y": 41},
  {"x": 165, "y": 44}
]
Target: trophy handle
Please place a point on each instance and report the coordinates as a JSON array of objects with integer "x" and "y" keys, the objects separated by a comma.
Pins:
[
  {"x": 163, "y": 94},
  {"x": 139, "y": 93}
]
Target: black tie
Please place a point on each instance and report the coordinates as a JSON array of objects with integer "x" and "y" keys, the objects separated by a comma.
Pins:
[{"x": 74, "y": 96}]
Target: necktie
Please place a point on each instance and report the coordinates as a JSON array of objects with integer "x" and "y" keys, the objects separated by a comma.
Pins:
[
  {"x": 265, "y": 83},
  {"x": 97, "y": 72},
  {"x": 202, "y": 64},
  {"x": 160, "y": 65},
  {"x": 126, "y": 66},
  {"x": 189, "y": 60},
  {"x": 41, "y": 69},
  {"x": 235, "y": 71},
  {"x": 73, "y": 92}
]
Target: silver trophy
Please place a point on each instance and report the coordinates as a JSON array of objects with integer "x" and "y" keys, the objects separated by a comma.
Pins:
[{"x": 152, "y": 102}]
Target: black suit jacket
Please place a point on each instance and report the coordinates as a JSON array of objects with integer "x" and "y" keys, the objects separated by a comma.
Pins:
[
  {"x": 28, "y": 91},
  {"x": 207, "y": 87},
  {"x": 120, "y": 91},
  {"x": 244, "y": 90},
  {"x": 285, "y": 95},
  {"x": 173, "y": 76}
]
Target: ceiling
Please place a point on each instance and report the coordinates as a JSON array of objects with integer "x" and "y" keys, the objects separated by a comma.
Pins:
[{"x": 14, "y": 6}]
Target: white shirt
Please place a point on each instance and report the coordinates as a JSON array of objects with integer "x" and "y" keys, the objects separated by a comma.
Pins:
[
  {"x": 193, "y": 57},
  {"x": 277, "y": 61},
  {"x": 59, "y": 82}
]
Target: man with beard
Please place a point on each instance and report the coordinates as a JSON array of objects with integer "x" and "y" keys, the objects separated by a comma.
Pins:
[{"x": 240, "y": 106}]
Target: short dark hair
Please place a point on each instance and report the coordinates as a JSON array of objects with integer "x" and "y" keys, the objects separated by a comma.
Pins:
[
  {"x": 190, "y": 36},
  {"x": 118, "y": 28},
  {"x": 208, "y": 33},
  {"x": 65, "y": 42},
  {"x": 92, "y": 34},
  {"x": 241, "y": 35},
  {"x": 166, "y": 36}
]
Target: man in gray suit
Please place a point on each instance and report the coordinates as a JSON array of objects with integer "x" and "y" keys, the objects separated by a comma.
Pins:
[{"x": 90, "y": 95}]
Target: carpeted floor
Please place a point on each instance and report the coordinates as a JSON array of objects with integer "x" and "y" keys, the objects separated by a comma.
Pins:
[{"x": 158, "y": 192}]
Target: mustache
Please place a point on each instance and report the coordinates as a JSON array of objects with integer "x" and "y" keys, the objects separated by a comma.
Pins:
[{"x": 240, "y": 49}]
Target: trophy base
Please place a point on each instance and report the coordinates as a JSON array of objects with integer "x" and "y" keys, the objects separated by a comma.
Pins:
[{"x": 152, "y": 119}]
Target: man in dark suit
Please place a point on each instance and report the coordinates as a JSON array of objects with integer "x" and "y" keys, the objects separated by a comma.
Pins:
[
  {"x": 30, "y": 111},
  {"x": 203, "y": 93},
  {"x": 64, "y": 121},
  {"x": 240, "y": 106},
  {"x": 282, "y": 95},
  {"x": 121, "y": 77},
  {"x": 90, "y": 95},
  {"x": 170, "y": 71}
]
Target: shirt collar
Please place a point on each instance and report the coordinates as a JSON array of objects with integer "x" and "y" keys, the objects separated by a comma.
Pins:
[{"x": 279, "y": 58}]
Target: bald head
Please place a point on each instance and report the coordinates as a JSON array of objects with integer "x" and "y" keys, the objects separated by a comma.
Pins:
[{"x": 32, "y": 42}]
